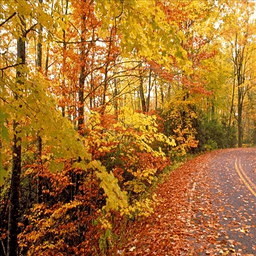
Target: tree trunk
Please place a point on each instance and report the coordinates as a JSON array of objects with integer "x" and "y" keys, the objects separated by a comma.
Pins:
[
  {"x": 91, "y": 97},
  {"x": 232, "y": 99},
  {"x": 142, "y": 95},
  {"x": 81, "y": 81},
  {"x": 12, "y": 245},
  {"x": 156, "y": 96},
  {"x": 149, "y": 88},
  {"x": 240, "y": 90},
  {"x": 162, "y": 94},
  {"x": 239, "y": 118},
  {"x": 39, "y": 139},
  {"x": 114, "y": 97},
  {"x": 81, "y": 100},
  {"x": 212, "y": 110},
  {"x": 63, "y": 85},
  {"x": 14, "y": 206},
  {"x": 106, "y": 68}
]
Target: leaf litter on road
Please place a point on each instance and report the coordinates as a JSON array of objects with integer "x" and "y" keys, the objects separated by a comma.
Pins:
[{"x": 195, "y": 215}]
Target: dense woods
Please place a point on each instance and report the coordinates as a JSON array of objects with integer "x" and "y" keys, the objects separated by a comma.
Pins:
[{"x": 98, "y": 98}]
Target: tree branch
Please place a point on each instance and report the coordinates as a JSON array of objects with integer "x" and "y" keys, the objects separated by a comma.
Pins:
[
  {"x": 11, "y": 66},
  {"x": 8, "y": 19},
  {"x": 3, "y": 246},
  {"x": 31, "y": 28}
]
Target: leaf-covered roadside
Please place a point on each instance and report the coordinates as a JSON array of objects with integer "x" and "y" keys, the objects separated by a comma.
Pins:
[
  {"x": 203, "y": 209},
  {"x": 168, "y": 230}
]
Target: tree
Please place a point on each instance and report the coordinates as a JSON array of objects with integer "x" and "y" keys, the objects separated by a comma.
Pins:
[
  {"x": 12, "y": 246},
  {"x": 127, "y": 87},
  {"x": 240, "y": 33}
]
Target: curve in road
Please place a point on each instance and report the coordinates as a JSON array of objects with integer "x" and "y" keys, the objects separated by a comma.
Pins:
[
  {"x": 233, "y": 198},
  {"x": 243, "y": 176}
]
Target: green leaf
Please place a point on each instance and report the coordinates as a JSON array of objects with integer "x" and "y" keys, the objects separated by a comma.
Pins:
[
  {"x": 3, "y": 173},
  {"x": 56, "y": 166},
  {"x": 3, "y": 130}
]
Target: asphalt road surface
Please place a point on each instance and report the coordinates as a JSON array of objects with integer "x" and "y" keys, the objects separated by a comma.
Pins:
[
  {"x": 205, "y": 207},
  {"x": 226, "y": 221}
]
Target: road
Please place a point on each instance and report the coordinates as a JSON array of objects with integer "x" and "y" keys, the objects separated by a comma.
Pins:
[
  {"x": 229, "y": 204},
  {"x": 205, "y": 207}
]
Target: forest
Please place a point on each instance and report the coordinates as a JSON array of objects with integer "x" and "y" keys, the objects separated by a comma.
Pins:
[{"x": 100, "y": 98}]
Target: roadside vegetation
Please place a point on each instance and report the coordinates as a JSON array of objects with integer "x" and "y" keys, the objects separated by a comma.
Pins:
[{"x": 100, "y": 98}]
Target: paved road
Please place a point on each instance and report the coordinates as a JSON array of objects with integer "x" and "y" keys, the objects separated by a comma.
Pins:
[
  {"x": 206, "y": 207},
  {"x": 227, "y": 219}
]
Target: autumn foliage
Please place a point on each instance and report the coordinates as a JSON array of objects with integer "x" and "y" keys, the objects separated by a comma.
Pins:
[{"x": 97, "y": 99}]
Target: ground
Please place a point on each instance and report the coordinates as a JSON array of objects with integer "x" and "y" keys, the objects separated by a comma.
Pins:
[{"x": 206, "y": 207}]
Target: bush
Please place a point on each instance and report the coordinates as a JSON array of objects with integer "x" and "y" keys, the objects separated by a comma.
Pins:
[{"x": 213, "y": 134}]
